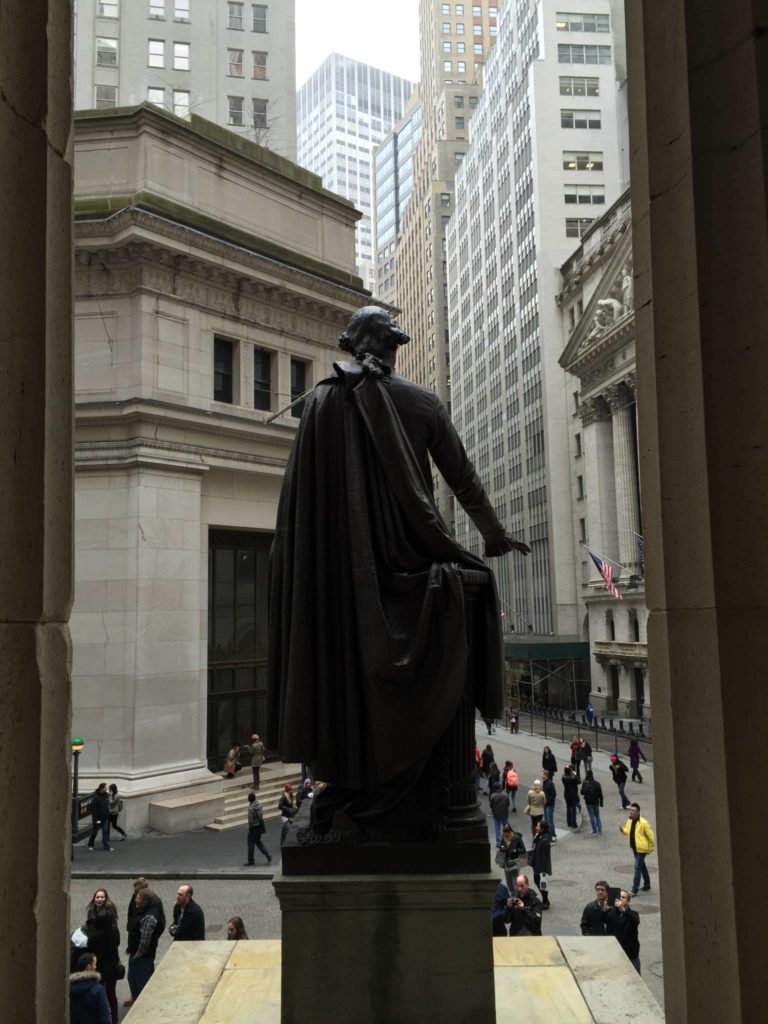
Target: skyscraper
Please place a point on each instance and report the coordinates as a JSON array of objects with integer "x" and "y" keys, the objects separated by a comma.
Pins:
[
  {"x": 544, "y": 160},
  {"x": 233, "y": 63},
  {"x": 455, "y": 39},
  {"x": 344, "y": 109}
]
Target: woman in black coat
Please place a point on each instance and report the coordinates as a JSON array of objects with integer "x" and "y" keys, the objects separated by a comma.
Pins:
[
  {"x": 104, "y": 941},
  {"x": 540, "y": 859},
  {"x": 549, "y": 762}
]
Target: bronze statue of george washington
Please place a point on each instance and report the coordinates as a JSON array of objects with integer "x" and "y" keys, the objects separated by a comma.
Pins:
[{"x": 367, "y": 640}]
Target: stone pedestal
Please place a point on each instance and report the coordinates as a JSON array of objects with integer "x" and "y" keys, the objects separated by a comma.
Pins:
[{"x": 395, "y": 949}]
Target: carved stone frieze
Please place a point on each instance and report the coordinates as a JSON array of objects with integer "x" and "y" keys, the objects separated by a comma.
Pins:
[
  {"x": 599, "y": 373},
  {"x": 593, "y": 409}
]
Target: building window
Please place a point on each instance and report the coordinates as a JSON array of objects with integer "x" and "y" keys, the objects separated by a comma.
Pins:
[
  {"x": 576, "y": 53},
  {"x": 575, "y": 227},
  {"x": 473, "y": 102},
  {"x": 459, "y": 122},
  {"x": 447, "y": 66},
  {"x": 459, "y": 29},
  {"x": 235, "y": 110},
  {"x": 582, "y": 531},
  {"x": 460, "y": 9},
  {"x": 108, "y": 9},
  {"x": 580, "y": 119},
  {"x": 181, "y": 102},
  {"x": 157, "y": 8},
  {"x": 458, "y": 102},
  {"x": 446, "y": 47},
  {"x": 493, "y": 31},
  {"x": 259, "y": 113},
  {"x": 106, "y": 52},
  {"x": 585, "y": 194},
  {"x": 582, "y": 22},
  {"x": 223, "y": 370},
  {"x": 477, "y": 11},
  {"x": 181, "y": 56},
  {"x": 570, "y": 86},
  {"x": 259, "y": 17},
  {"x": 298, "y": 385},
  {"x": 478, "y": 48},
  {"x": 578, "y": 446},
  {"x": 156, "y": 53},
  {"x": 446, "y": 28},
  {"x": 461, "y": 67},
  {"x": 156, "y": 95},
  {"x": 235, "y": 63},
  {"x": 446, "y": 9},
  {"x": 262, "y": 379},
  {"x": 260, "y": 65},
  {"x": 582, "y": 161},
  {"x": 235, "y": 16},
  {"x": 106, "y": 96},
  {"x": 460, "y": 47},
  {"x": 477, "y": 30},
  {"x": 580, "y": 488}
]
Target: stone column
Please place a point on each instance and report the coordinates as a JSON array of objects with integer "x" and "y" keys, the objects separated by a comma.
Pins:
[
  {"x": 627, "y": 506},
  {"x": 597, "y": 445},
  {"x": 626, "y": 706},
  {"x": 36, "y": 499},
  {"x": 698, "y": 109}
]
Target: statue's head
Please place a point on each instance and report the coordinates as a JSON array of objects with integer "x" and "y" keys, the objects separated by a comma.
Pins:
[{"x": 372, "y": 330}]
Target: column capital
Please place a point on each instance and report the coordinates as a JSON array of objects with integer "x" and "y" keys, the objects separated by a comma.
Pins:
[{"x": 593, "y": 409}]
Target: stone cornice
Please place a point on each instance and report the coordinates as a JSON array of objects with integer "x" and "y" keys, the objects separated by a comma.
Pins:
[
  {"x": 133, "y": 234},
  {"x": 100, "y": 455}
]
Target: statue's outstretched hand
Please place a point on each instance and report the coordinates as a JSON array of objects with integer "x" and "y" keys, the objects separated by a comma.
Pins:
[{"x": 501, "y": 547}]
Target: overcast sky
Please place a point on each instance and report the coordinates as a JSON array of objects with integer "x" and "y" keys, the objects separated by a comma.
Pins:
[{"x": 384, "y": 33}]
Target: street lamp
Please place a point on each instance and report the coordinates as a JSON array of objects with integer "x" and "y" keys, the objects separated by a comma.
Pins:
[{"x": 76, "y": 745}]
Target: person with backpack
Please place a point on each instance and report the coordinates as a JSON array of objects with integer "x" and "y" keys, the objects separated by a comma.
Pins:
[
  {"x": 592, "y": 792},
  {"x": 511, "y": 782}
]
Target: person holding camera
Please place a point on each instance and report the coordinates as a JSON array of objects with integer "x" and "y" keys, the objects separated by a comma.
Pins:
[
  {"x": 523, "y": 912},
  {"x": 624, "y": 924}
]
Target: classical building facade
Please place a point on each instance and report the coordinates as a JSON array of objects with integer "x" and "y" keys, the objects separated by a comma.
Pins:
[
  {"x": 213, "y": 279},
  {"x": 233, "y": 63},
  {"x": 597, "y": 302},
  {"x": 344, "y": 110}
]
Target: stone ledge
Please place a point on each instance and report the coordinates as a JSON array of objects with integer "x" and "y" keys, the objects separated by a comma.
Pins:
[{"x": 185, "y": 813}]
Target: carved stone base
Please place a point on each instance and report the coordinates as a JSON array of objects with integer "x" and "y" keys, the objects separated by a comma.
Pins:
[{"x": 399, "y": 949}]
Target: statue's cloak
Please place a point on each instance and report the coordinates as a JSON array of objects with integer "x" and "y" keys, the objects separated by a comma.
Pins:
[{"x": 367, "y": 640}]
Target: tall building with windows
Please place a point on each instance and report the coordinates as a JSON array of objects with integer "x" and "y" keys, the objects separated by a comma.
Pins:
[
  {"x": 393, "y": 185},
  {"x": 455, "y": 40},
  {"x": 344, "y": 110},
  {"x": 232, "y": 63},
  {"x": 544, "y": 161}
]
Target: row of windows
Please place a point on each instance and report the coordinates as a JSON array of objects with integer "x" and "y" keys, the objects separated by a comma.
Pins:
[
  {"x": 581, "y": 194},
  {"x": 582, "y": 161},
  {"x": 258, "y": 64},
  {"x": 458, "y": 29},
  {"x": 580, "y": 119},
  {"x": 477, "y": 11},
  {"x": 461, "y": 66},
  {"x": 461, "y": 48},
  {"x": 565, "y": 22},
  {"x": 158, "y": 9},
  {"x": 225, "y": 353},
  {"x": 577, "y": 53},
  {"x": 236, "y": 111},
  {"x": 575, "y": 227},
  {"x": 571, "y": 85}
]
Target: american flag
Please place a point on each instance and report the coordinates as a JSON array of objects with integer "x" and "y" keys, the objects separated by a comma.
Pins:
[{"x": 606, "y": 571}]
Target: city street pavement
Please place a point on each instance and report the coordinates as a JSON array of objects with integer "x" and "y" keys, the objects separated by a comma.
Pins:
[{"x": 212, "y": 862}]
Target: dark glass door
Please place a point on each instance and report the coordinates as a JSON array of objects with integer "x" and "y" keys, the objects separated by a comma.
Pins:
[{"x": 238, "y": 573}]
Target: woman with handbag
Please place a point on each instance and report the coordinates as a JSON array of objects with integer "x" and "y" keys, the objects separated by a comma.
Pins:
[
  {"x": 115, "y": 806},
  {"x": 540, "y": 859},
  {"x": 104, "y": 941}
]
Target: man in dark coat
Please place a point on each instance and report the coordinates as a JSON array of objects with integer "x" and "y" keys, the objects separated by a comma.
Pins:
[
  {"x": 188, "y": 917},
  {"x": 594, "y": 915},
  {"x": 624, "y": 923},
  {"x": 368, "y": 642},
  {"x": 524, "y": 910},
  {"x": 144, "y": 931},
  {"x": 100, "y": 816},
  {"x": 87, "y": 998}
]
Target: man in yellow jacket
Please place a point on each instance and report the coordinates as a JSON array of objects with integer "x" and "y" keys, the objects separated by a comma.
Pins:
[{"x": 642, "y": 841}]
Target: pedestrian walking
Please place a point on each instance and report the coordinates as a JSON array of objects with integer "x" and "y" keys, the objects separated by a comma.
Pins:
[
  {"x": 642, "y": 842},
  {"x": 147, "y": 925},
  {"x": 104, "y": 943},
  {"x": 256, "y": 829},
  {"x": 619, "y": 773},
  {"x": 550, "y": 793},
  {"x": 258, "y": 757},
  {"x": 486, "y": 760},
  {"x": 589, "y": 713},
  {"x": 509, "y": 853},
  {"x": 635, "y": 753},
  {"x": 540, "y": 859},
  {"x": 537, "y": 801},
  {"x": 592, "y": 792},
  {"x": 499, "y": 802},
  {"x": 570, "y": 783},
  {"x": 494, "y": 778},
  {"x": 115, "y": 807},
  {"x": 549, "y": 762},
  {"x": 585, "y": 755},
  {"x": 87, "y": 998},
  {"x": 188, "y": 917},
  {"x": 511, "y": 782},
  {"x": 575, "y": 747},
  {"x": 624, "y": 924},
  {"x": 100, "y": 817},
  {"x": 236, "y": 929}
]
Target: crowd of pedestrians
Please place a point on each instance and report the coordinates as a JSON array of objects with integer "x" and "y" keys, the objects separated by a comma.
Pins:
[{"x": 517, "y": 908}]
